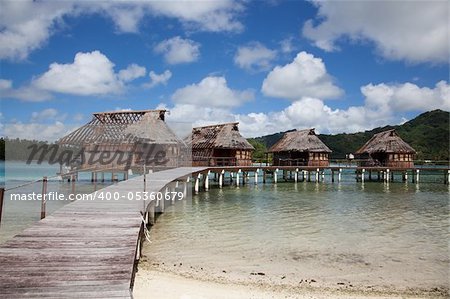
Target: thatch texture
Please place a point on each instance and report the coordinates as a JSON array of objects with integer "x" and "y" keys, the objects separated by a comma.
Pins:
[
  {"x": 300, "y": 141},
  {"x": 123, "y": 127},
  {"x": 223, "y": 136},
  {"x": 386, "y": 142}
]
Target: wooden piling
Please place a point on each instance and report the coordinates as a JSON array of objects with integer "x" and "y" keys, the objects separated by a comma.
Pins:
[
  {"x": 222, "y": 173},
  {"x": 206, "y": 180},
  {"x": 44, "y": 195},
  {"x": 275, "y": 176},
  {"x": 2, "y": 194},
  {"x": 256, "y": 176}
]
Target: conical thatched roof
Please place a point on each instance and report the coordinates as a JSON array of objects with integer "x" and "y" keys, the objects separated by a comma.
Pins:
[
  {"x": 224, "y": 136},
  {"x": 123, "y": 127},
  {"x": 386, "y": 142},
  {"x": 300, "y": 141}
]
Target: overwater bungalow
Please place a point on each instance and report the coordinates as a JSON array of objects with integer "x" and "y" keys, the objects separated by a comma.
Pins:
[
  {"x": 219, "y": 145},
  {"x": 386, "y": 149},
  {"x": 300, "y": 147},
  {"x": 125, "y": 139}
]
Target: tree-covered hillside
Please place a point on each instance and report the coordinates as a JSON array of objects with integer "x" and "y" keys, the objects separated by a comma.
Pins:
[{"x": 428, "y": 134}]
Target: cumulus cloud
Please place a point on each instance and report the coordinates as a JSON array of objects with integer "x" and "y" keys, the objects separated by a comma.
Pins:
[
  {"x": 383, "y": 105},
  {"x": 254, "y": 57},
  {"x": 306, "y": 76},
  {"x": 415, "y": 31},
  {"x": 27, "y": 25},
  {"x": 160, "y": 79},
  {"x": 89, "y": 74},
  {"x": 407, "y": 97},
  {"x": 132, "y": 72},
  {"x": 212, "y": 92},
  {"x": 177, "y": 50}
]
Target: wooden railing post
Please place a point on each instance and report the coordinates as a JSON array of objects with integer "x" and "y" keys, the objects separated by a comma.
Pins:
[
  {"x": 44, "y": 192},
  {"x": 2, "y": 193}
]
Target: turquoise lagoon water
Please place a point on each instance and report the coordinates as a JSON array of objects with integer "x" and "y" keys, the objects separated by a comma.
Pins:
[
  {"x": 18, "y": 215},
  {"x": 372, "y": 235}
]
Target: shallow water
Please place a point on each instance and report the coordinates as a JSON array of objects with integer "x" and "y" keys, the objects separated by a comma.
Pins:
[{"x": 368, "y": 235}]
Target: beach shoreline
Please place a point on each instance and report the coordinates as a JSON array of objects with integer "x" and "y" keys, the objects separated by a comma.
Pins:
[{"x": 174, "y": 281}]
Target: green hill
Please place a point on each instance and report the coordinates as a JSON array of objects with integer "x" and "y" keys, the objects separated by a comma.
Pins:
[{"x": 428, "y": 134}]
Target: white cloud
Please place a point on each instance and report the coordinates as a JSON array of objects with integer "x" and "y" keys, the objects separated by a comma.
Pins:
[
  {"x": 132, "y": 72},
  {"x": 287, "y": 46},
  {"x": 177, "y": 50},
  {"x": 27, "y": 25},
  {"x": 306, "y": 76},
  {"x": 254, "y": 57},
  {"x": 212, "y": 92},
  {"x": 160, "y": 79},
  {"x": 383, "y": 105},
  {"x": 24, "y": 93},
  {"x": 215, "y": 16},
  {"x": 407, "y": 97},
  {"x": 36, "y": 131},
  {"x": 46, "y": 114},
  {"x": 90, "y": 74},
  {"x": 415, "y": 31}
]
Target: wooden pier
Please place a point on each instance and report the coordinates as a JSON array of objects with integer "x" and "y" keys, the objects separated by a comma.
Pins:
[{"x": 86, "y": 249}]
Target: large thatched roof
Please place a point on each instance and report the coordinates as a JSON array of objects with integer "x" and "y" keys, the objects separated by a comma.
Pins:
[
  {"x": 121, "y": 127},
  {"x": 386, "y": 142},
  {"x": 224, "y": 136},
  {"x": 300, "y": 141}
]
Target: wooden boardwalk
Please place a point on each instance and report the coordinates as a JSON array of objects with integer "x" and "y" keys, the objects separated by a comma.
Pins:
[{"x": 87, "y": 249}]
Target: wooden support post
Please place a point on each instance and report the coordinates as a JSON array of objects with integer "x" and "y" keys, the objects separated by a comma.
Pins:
[
  {"x": 112, "y": 176},
  {"x": 2, "y": 194},
  {"x": 44, "y": 195},
  {"x": 388, "y": 175},
  {"x": 309, "y": 175},
  {"x": 417, "y": 176},
  {"x": 244, "y": 176},
  {"x": 145, "y": 179},
  {"x": 370, "y": 175},
  {"x": 339, "y": 174},
  {"x": 92, "y": 176},
  {"x": 206, "y": 181},
  {"x": 151, "y": 213},
  {"x": 284, "y": 175},
  {"x": 103, "y": 176},
  {"x": 264, "y": 176},
  {"x": 72, "y": 182},
  {"x": 296, "y": 175},
  {"x": 332, "y": 176},
  {"x": 275, "y": 176},
  {"x": 448, "y": 177},
  {"x": 323, "y": 175},
  {"x": 222, "y": 173},
  {"x": 378, "y": 175},
  {"x": 363, "y": 175},
  {"x": 256, "y": 176},
  {"x": 197, "y": 182},
  {"x": 317, "y": 174}
]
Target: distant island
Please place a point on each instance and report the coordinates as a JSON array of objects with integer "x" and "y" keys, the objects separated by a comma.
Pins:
[{"x": 428, "y": 133}]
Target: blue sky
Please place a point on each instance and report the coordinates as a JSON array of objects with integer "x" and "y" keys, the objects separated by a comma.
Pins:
[{"x": 337, "y": 66}]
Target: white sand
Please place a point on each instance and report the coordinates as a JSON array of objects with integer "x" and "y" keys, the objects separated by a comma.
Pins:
[{"x": 157, "y": 284}]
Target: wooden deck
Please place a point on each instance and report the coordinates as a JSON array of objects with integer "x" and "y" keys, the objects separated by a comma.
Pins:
[{"x": 86, "y": 249}]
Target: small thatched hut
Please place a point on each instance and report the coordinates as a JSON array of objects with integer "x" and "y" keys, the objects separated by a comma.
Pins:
[
  {"x": 302, "y": 148},
  {"x": 219, "y": 145},
  {"x": 124, "y": 139},
  {"x": 386, "y": 149}
]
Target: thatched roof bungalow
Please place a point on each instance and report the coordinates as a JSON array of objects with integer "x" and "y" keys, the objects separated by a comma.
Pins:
[
  {"x": 123, "y": 139},
  {"x": 219, "y": 145},
  {"x": 300, "y": 147},
  {"x": 386, "y": 149}
]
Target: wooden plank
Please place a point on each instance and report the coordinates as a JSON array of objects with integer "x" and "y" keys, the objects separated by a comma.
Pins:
[{"x": 85, "y": 249}]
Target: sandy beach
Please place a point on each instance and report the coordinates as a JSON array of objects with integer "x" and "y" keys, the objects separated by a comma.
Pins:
[{"x": 157, "y": 281}]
